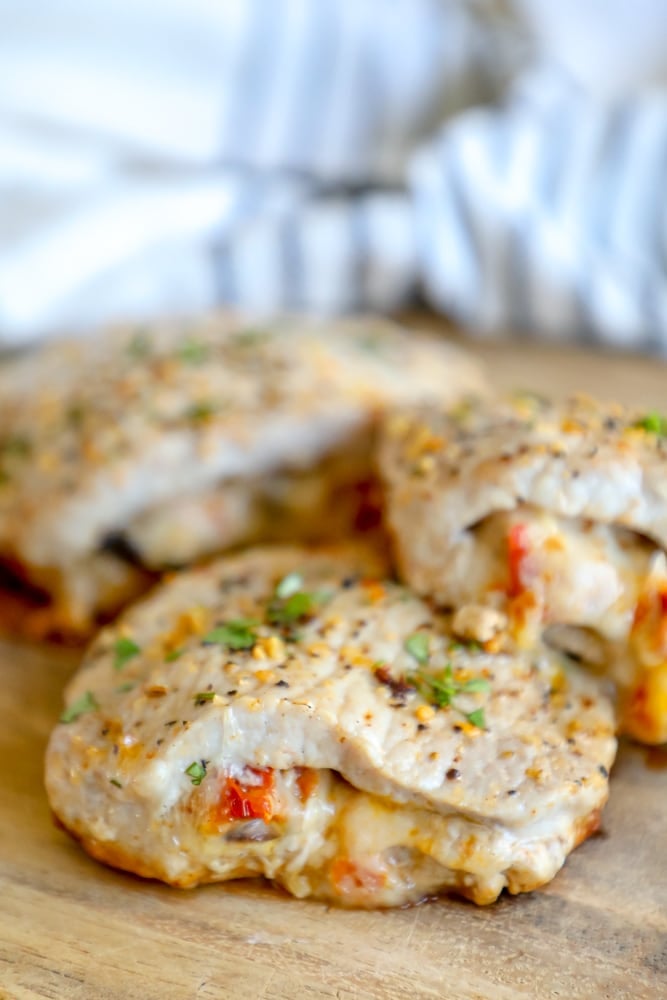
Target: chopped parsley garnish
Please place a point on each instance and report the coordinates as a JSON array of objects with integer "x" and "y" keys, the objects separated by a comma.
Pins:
[
  {"x": 196, "y": 771},
  {"x": 86, "y": 703},
  {"x": 124, "y": 650},
  {"x": 75, "y": 415},
  {"x": 17, "y": 445},
  {"x": 300, "y": 605},
  {"x": 461, "y": 411},
  {"x": 442, "y": 688},
  {"x": 289, "y": 585},
  {"x": 291, "y": 605},
  {"x": 250, "y": 338},
  {"x": 373, "y": 342},
  {"x": 470, "y": 644},
  {"x": 124, "y": 688},
  {"x": 475, "y": 684},
  {"x": 653, "y": 423},
  {"x": 203, "y": 696},
  {"x": 289, "y": 611},
  {"x": 417, "y": 645},
  {"x": 439, "y": 689},
  {"x": 114, "y": 781},
  {"x": 477, "y": 718},
  {"x": 173, "y": 655},
  {"x": 193, "y": 352},
  {"x": 200, "y": 412},
  {"x": 237, "y": 634},
  {"x": 139, "y": 346}
]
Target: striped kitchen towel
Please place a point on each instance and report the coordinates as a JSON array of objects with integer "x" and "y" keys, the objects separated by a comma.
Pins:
[{"x": 330, "y": 155}]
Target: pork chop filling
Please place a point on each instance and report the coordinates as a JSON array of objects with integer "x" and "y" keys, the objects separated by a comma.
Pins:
[
  {"x": 315, "y": 834},
  {"x": 311, "y": 505},
  {"x": 320, "y": 504},
  {"x": 599, "y": 590}
]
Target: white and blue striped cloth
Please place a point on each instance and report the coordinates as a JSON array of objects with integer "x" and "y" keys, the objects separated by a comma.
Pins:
[{"x": 333, "y": 155}]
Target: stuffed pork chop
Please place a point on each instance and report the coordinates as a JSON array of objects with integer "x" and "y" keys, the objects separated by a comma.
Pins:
[
  {"x": 293, "y": 714},
  {"x": 142, "y": 449},
  {"x": 554, "y": 515}
]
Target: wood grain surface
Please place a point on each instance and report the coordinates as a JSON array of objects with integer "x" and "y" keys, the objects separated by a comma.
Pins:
[{"x": 72, "y": 929}]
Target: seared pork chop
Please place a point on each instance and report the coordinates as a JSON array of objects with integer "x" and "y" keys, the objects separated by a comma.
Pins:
[
  {"x": 554, "y": 515},
  {"x": 203, "y": 432},
  {"x": 295, "y": 714}
]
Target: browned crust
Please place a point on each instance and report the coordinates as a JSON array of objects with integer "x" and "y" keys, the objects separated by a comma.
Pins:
[
  {"x": 588, "y": 825},
  {"x": 26, "y": 612}
]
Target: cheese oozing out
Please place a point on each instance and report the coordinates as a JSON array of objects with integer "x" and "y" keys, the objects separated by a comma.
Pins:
[{"x": 599, "y": 590}]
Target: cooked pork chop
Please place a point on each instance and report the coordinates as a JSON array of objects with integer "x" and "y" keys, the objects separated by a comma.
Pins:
[
  {"x": 132, "y": 437},
  {"x": 292, "y": 714},
  {"x": 553, "y": 515}
]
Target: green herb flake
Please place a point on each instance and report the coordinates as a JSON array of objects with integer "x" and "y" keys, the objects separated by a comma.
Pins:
[
  {"x": 175, "y": 654},
  {"x": 86, "y": 703},
  {"x": 291, "y": 605},
  {"x": 201, "y": 412},
  {"x": 652, "y": 423},
  {"x": 250, "y": 338},
  {"x": 16, "y": 445},
  {"x": 75, "y": 415},
  {"x": 372, "y": 342},
  {"x": 297, "y": 606},
  {"x": 139, "y": 346},
  {"x": 475, "y": 684},
  {"x": 124, "y": 688},
  {"x": 471, "y": 645},
  {"x": 203, "y": 696},
  {"x": 417, "y": 645},
  {"x": 461, "y": 412},
  {"x": 237, "y": 634},
  {"x": 116, "y": 782},
  {"x": 289, "y": 585},
  {"x": 442, "y": 689},
  {"x": 196, "y": 771},
  {"x": 477, "y": 718},
  {"x": 193, "y": 352},
  {"x": 124, "y": 650},
  {"x": 438, "y": 689}
]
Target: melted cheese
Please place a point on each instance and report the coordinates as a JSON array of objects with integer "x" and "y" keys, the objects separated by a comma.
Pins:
[
  {"x": 590, "y": 576},
  {"x": 335, "y": 842}
]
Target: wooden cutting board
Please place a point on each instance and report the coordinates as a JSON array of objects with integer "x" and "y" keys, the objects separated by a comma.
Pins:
[{"x": 72, "y": 929}]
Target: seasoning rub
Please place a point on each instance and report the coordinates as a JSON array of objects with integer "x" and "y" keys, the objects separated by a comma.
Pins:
[{"x": 323, "y": 727}]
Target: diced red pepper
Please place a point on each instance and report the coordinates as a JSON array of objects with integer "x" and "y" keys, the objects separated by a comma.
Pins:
[
  {"x": 651, "y": 618},
  {"x": 517, "y": 550},
  {"x": 641, "y": 611},
  {"x": 241, "y": 801},
  {"x": 350, "y": 879}
]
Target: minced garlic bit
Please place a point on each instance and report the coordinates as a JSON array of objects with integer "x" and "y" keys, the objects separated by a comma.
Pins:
[{"x": 475, "y": 622}]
